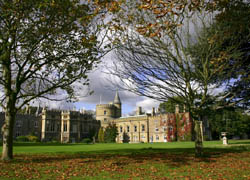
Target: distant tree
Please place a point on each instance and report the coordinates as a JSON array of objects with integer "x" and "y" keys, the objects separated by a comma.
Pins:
[
  {"x": 125, "y": 137},
  {"x": 170, "y": 105},
  {"x": 230, "y": 120},
  {"x": 101, "y": 135},
  {"x": 46, "y": 46},
  {"x": 110, "y": 133}
]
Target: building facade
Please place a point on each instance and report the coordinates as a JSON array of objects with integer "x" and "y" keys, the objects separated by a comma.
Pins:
[
  {"x": 67, "y": 126},
  {"x": 25, "y": 124},
  {"x": 55, "y": 125},
  {"x": 147, "y": 127},
  {"x": 73, "y": 126},
  {"x": 105, "y": 113}
]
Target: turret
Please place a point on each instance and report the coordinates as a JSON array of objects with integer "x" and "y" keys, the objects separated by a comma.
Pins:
[{"x": 118, "y": 105}]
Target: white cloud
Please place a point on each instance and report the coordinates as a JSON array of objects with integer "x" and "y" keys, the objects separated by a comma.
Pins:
[{"x": 147, "y": 104}]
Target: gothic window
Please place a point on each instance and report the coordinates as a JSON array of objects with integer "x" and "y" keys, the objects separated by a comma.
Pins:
[
  {"x": 35, "y": 123},
  {"x": 74, "y": 128},
  {"x": 65, "y": 127},
  {"x": 105, "y": 112},
  {"x": 142, "y": 127},
  {"x": 85, "y": 128},
  {"x": 156, "y": 129},
  {"x": 58, "y": 127},
  {"x": 18, "y": 123},
  {"x": 18, "y": 133},
  {"x": 121, "y": 129},
  {"x": 52, "y": 127},
  {"x": 48, "y": 126},
  {"x": 105, "y": 119}
]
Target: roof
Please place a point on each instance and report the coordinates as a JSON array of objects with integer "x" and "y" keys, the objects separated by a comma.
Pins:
[{"x": 117, "y": 98}]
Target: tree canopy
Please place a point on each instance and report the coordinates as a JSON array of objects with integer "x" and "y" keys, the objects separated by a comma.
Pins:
[
  {"x": 46, "y": 47},
  {"x": 165, "y": 50}
]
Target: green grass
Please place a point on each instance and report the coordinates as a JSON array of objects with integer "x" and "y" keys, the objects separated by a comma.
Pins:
[
  {"x": 173, "y": 160},
  {"x": 178, "y": 147}
]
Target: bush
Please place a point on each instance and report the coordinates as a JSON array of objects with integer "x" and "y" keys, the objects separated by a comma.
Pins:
[
  {"x": 32, "y": 138},
  {"x": 87, "y": 141},
  {"x": 22, "y": 139}
]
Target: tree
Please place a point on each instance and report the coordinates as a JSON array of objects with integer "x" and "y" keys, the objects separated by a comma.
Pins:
[
  {"x": 101, "y": 135},
  {"x": 234, "y": 23},
  {"x": 230, "y": 120},
  {"x": 160, "y": 65},
  {"x": 46, "y": 46},
  {"x": 169, "y": 106},
  {"x": 110, "y": 133}
]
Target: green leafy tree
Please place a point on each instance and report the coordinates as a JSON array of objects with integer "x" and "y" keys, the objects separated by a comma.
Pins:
[
  {"x": 110, "y": 133},
  {"x": 232, "y": 121},
  {"x": 230, "y": 30},
  {"x": 101, "y": 135},
  {"x": 169, "y": 106},
  {"x": 46, "y": 46}
]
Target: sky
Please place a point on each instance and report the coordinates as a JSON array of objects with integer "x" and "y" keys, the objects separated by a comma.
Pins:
[{"x": 104, "y": 92}]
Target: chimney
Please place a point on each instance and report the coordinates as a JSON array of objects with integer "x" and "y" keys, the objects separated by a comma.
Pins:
[
  {"x": 177, "y": 109},
  {"x": 153, "y": 111},
  {"x": 139, "y": 111}
]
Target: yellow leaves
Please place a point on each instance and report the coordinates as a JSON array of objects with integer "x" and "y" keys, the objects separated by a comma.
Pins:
[
  {"x": 157, "y": 11},
  {"x": 153, "y": 35},
  {"x": 145, "y": 6}
]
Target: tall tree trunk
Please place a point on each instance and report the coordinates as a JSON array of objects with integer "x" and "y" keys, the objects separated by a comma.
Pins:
[
  {"x": 198, "y": 139},
  {"x": 7, "y": 131}
]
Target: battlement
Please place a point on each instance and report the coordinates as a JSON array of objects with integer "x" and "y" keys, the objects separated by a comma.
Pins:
[{"x": 105, "y": 106}]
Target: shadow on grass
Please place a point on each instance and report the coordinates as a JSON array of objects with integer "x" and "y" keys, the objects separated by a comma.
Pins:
[
  {"x": 174, "y": 157},
  {"x": 241, "y": 142},
  {"x": 43, "y": 144}
]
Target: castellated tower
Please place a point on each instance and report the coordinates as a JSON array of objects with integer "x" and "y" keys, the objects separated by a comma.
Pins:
[{"x": 106, "y": 113}]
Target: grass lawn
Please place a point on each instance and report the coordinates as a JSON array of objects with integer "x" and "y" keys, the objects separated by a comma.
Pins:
[{"x": 128, "y": 161}]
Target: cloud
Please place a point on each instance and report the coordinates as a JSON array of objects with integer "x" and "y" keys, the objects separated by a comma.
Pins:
[
  {"x": 104, "y": 91},
  {"x": 147, "y": 104}
]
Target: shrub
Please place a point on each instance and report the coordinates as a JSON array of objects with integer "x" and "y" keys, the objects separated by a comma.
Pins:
[
  {"x": 110, "y": 133},
  {"x": 87, "y": 141},
  {"x": 22, "y": 139},
  {"x": 32, "y": 138}
]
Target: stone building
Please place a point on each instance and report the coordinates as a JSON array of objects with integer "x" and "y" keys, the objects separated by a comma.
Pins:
[
  {"x": 106, "y": 113},
  {"x": 147, "y": 127},
  {"x": 57, "y": 125},
  {"x": 25, "y": 124},
  {"x": 67, "y": 126}
]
